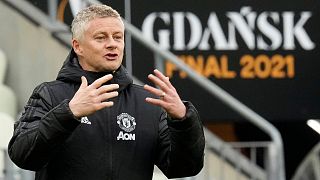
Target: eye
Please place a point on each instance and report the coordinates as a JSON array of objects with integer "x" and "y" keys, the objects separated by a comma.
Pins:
[
  {"x": 117, "y": 37},
  {"x": 99, "y": 37}
]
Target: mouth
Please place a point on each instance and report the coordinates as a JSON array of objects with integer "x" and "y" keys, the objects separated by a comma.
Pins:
[{"x": 111, "y": 56}]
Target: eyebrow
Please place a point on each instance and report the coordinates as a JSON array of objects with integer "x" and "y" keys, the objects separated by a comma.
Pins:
[{"x": 102, "y": 32}]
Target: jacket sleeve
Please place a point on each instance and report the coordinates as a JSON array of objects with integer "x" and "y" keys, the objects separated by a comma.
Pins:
[
  {"x": 181, "y": 147},
  {"x": 40, "y": 130}
]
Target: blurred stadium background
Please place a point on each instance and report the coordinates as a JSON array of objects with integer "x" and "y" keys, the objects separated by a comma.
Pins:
[{"x": 250, "y": 67}]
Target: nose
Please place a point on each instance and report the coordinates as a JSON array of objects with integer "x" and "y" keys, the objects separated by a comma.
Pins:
[{"x": 111, "y": 44}]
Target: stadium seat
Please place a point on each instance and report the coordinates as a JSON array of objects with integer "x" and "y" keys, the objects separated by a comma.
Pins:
[
  {"x": 6, "y": 130},
  {"x": 8, "y": 113},
  {"x": 7, "y": 97}
]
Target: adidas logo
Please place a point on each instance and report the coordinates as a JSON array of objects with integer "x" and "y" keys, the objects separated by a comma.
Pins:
[{"x": 85, "y": 120}]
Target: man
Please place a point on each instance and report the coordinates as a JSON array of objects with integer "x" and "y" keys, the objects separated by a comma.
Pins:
[{"x": 92, "y": 123}]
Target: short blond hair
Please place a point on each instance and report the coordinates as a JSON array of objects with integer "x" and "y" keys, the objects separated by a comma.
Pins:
[{"x": 87, "y": 14}]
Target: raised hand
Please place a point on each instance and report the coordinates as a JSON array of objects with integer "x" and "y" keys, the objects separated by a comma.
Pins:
[
  {"x": 169, "y": 98},
  {"x": 89, "y": 99}
]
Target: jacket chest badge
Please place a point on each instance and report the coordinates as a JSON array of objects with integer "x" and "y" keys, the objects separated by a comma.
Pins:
[{"x": 127, "y": 123}]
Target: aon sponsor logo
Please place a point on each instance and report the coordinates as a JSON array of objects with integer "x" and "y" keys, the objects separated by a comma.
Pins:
[{"x": 126, "y": 136}]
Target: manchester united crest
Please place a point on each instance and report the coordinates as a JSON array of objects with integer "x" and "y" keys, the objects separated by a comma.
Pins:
[{"x": 126, "y": 122}]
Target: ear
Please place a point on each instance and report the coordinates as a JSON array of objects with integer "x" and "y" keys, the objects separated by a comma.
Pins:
[{"x": 76, "y": 46}]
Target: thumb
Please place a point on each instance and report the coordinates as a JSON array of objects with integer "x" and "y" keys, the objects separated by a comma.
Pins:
[{"x": 84, "y": 82}]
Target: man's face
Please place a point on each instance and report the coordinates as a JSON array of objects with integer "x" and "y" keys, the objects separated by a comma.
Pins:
[{"x": 101, "y": 46}]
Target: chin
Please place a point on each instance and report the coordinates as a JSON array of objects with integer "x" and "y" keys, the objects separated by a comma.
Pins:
[{"x": 113, "y": 68}]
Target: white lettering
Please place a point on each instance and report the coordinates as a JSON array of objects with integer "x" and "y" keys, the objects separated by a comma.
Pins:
[
  {"x": 290, "y": 31},
  {"x": 239, "y": 23},
  {"x": 179, "y": 29},
  {"x": 269, "y": 31},
  {"x": 262, "y": 31},
  {"x": 214, "y": 28},
  {"x": 126, "y": 136},
  {"x": 148, "y": 26}
]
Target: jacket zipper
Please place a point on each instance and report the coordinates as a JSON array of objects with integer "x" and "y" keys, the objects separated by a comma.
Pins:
[{"x": 109, "y": 128}]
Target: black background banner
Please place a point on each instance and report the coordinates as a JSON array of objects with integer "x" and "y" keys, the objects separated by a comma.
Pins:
[
  {"x": 279, "y": 78},
  {"x": 288, "y": 94}
]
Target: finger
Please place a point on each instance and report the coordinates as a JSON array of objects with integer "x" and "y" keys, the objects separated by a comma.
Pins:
[
  {"x": 158, "y": 82},
  {"x": 104, "y": 105},
  {"x": 106, "y": 96},
  {"x": 156, "y": 102},
  {"x": 107, "y": 104},
  {"x": 164, "y": 78},
  {"x": 97, "y": 83},
  {"x": 84, "y": 82},
  {"x": 153, "y": 90},
  {"x": 108, "y": 88}
]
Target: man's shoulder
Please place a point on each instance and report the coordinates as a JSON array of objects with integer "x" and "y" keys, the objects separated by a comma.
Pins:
[
  {"x": 48, "y": 84},
  {"x": 54, "y": 83},
  {"x": 55, "y": 91}
]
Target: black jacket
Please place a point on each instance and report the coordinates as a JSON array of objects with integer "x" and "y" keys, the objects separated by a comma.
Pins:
[{"x": 119, "y": 143}]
